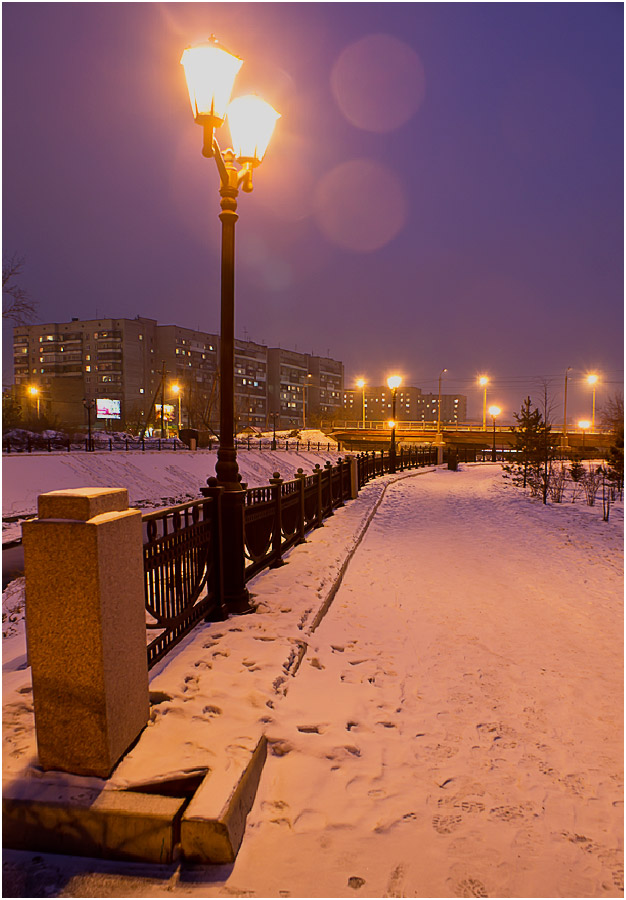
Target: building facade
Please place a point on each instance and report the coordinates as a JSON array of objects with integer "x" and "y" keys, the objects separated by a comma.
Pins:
[
  {"x": 146, "y": 366},
  {"x": 411, "y": 405}
]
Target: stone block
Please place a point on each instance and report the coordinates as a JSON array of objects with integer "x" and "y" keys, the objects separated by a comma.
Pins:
[
  {"x": 85, "y": 821},
  {"x": 81, "y": 503},
  {"x": 213, "y": 824},
  {"x": 85, "y": 623}
]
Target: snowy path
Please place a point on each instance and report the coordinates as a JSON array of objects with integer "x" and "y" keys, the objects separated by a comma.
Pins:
[
  {"x": 456, "y": 731},
  {"x": 455, "y": 728}
]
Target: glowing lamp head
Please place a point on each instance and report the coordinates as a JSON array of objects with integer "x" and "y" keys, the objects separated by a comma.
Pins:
[
  {"x": 210, "y": 72},
  {"x": 176, "y": 388},
  {"x": 33, "y": 390},
  {"x": 394, "y": 382},
  {"x": 494, "y": 411},
  {"x": 483, "y": 380},
  {"x": 391, "y": 423},
  {"x": 251, "y": 121},
  {"x": 592, "y": 379},
  {"x": 360, "y": 383},
  {"x": 584, "y": 424}
]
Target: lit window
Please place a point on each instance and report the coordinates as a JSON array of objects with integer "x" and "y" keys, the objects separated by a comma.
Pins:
[
  {"x": 87, "y": 368},
  {"x": 141, "y": 339},
  {"x": 141, "y": 392}
]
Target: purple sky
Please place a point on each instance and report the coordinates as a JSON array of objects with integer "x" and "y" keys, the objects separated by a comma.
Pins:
[{"x": 444, "y": 188}]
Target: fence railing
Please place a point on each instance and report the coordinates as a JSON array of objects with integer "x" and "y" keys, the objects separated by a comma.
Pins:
[
  {"x": 37, "y": 444},
  {"x": 182, "y": 544}
]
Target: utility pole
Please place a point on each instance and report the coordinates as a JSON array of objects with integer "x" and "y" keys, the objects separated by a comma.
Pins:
[{"x": 163, "y": 373}]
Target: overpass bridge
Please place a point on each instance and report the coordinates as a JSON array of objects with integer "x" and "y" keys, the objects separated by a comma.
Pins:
[{"x": 377, "y": 435}]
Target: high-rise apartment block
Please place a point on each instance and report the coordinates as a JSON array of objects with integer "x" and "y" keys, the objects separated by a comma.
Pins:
[
  {"x": 139, "y": 362},
  {"x": 411, "y": 405}
]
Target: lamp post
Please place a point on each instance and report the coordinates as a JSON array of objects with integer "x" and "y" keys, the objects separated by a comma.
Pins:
[
  {"x": 593, "y": 380},
  {"x": 177, "y": 390},
  {"x": 360, "y": 383},
  {"x": 274, "y": 416},
  {"x": 34, "y": 392},
  {"x": 493, "y": 412},
  {"x": 210, "y": 72},
  {"x": 564, "y": 444},
  {"x": 305, "y": 386},
  {"x": 393, "y": 382},
  {"x": 584, "y": 426},
  {"x": 483, "y": 382},
  {"x": 89, "y": 405},
  {"x": 439, "y": 441}
]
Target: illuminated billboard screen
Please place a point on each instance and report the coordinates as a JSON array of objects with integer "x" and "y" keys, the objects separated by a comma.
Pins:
[
  {"x": 108, "y": 409},
  {"x": 168, "y": 411}
]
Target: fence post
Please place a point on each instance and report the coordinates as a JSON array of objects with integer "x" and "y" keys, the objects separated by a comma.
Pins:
[
  {"x": 215, "y": 492},
  {"x": 85, "y": 589},
  {"x": 49, "y": 446},
  {"x": 329, "y": 468},
  {"x": 126, "y": 443},
  {"x": 320, "y": 512},
  {"x": 340, "y": 466},
  {"x": 277, "y": 531},
  {"x": 110, "y": 445},
  {"x": 354, "y": 479},
  {"x": 143, "y": 443},
  {"x": 69, "y": 444},
  {"x": 301, "y": 515}
]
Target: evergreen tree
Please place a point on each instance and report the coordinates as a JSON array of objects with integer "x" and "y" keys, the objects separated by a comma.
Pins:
[{"x": 535, "y": 449}]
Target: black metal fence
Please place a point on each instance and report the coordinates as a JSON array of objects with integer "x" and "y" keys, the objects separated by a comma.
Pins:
[
  {"x": 183, "y": 556},
  {"x": 39, "y": 444}
]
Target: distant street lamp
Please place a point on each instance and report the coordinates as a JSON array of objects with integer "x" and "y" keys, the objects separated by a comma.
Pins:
[
  {"x": 274, "y": 416},
  {"x": 439, "y": 437},
  {"x": 361, "y": 384},
  {"x": 305, "y": 387},
  {"x": 394, "y": 382},
  {"x": 210, "y": 72},
  {"x": 593, "y": 380},
  {"x": 584, "y": 426},
  {"x": 493, "y": 412},
  {"x": 176, "y": 388},
  {"x": 34, "y": 392},
  {"x": 89, "y": 406},
  {"x": 483, "y": 382},
  {"x": 564, "y": 444}
]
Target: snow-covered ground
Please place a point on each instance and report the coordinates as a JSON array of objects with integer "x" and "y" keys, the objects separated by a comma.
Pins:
[
  {"x": 153, "y": 478},
  {"x": 454, "y": 727}
]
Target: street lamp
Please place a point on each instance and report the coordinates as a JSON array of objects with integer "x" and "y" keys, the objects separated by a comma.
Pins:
[
  {"x": 34, "y": 392},
  {"x": 274, "y": 416},
  {"x": 564, "y": 444},
  {"x": 360, "y": 383},
  {"x": 439, "y": 437},
  {"x": 483, "y": 382},
  {"x": 304, "y": 389},
  {"x": 89, "y": 406},
  {"x": 176, "y": 388},
  {"x": 584, "y": 425},
  {"x": 210, "y": 72},
  {"x": 393, "y": 382},
  {"x": 493, "y": 412},
  {"x": 593, "y": 380}
]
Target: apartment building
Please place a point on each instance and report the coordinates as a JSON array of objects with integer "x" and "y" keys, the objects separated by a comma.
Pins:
[
  {"x": 411, "y": 405},
  {"x": 143, "y": 365}
]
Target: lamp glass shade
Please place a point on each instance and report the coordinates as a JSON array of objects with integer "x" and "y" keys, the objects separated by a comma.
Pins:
[
  {"x": 210, "y": 72},
  {"x": 251, "y": 121},
  {"x": 494, "y": 411},
  {"x": 394, "y": 381},
  {"x": 483, "y": 380}
]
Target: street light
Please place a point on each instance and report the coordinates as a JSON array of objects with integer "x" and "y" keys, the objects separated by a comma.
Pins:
[
  {"x": 304, "y": 389},
  {"x": 584, "y": 425},
  {"x": 89, "y": 406},
  {"x": 564, "y": 444},
  {"x": 393, "y": 382},
  {"x": 439, "y": 437},
  {"x": 210, "y": 72},
  {"x": 176, "y": 388},
  {"x": 274, "y": 416},
  {"x": 493, "y": 412},
  {"x": 360, "y": 383},
  {"x": 593, "y": 380},
  {"x": 34, "y": 392},
  {"x": 483, "y": 382}
]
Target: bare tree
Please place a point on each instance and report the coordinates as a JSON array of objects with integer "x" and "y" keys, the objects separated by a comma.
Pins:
[
  {"x": 612, "y": 414},
  {"x": 16, "y": 304}
]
